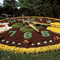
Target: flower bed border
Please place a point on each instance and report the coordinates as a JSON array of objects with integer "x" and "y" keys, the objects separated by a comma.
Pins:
[{"x": 14, "y": 49}]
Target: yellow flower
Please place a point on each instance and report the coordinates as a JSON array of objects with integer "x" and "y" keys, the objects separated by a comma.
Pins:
[
  {"x": 32, "y": 50},
  {"x": 28, "y": 51},
  {"x": 22, "y": 50},
  {"x": 37, "y": 50},
  {"x": 17, "y": 50}
]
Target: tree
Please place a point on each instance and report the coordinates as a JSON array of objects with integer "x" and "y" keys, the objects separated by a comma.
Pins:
[
  {"x": 31, "y": 6},
  {"x": 10, "y": 7},
  {"x": 9, "y": 3},
  {"x": 1, "y": 10}
]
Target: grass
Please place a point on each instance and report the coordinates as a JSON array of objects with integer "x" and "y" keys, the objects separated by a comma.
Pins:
[{"x": 44, "y": 56}]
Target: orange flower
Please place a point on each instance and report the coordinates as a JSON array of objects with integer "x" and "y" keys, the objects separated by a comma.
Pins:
[
  {"x": 25, "y": 41},
  {"x": 56, "y": 38}
]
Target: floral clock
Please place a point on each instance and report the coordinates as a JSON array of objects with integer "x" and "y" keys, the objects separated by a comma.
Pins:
[{"x": 29, "y": 34}]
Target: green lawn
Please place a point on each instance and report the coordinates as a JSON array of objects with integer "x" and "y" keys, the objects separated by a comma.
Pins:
[{"x": 44, "y": 56}]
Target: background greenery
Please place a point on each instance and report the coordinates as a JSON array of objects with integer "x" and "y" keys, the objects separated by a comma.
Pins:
[
  {"x": 44, "y": 56},
  {"x": 45, "y": 8}
]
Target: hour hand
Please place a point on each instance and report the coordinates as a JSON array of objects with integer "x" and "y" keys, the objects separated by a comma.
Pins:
[
  {"x": 35, "y": 22},
  {"x": 32, "y": 25}
]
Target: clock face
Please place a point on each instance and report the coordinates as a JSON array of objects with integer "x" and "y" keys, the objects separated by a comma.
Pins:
[{"x": 17, "y": 32}]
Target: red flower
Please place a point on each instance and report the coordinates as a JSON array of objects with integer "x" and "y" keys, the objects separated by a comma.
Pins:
[{"x": 2, "y": 25}]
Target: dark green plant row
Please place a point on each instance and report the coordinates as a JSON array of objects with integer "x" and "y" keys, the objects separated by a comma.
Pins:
[
  {"x": 44, "y": 56},
  {"x": 43, "y": 8}
]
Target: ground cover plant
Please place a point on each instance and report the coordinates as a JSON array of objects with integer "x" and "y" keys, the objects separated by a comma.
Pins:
[{"x": 55, "y": 55}]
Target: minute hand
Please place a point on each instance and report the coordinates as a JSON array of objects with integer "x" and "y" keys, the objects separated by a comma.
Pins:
[{"x": 51, "y": 24}]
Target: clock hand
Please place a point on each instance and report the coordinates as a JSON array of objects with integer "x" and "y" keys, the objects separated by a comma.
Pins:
[
  {"x": 56, "y": 24},
  {"x": 34, "y": 22},
  {"x": 31, "y": 25}
]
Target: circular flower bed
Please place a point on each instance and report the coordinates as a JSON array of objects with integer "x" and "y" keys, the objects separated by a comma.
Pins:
[{"x": 23, "y": 39}]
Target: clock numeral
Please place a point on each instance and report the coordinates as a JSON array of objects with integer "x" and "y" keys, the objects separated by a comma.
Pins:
[
  {"x": 19, "y": 19},
  {"x": 13, "y": 21},
  {"x": 45, "y": 33},
  {"x": 40, "y": 19},
  {"x": 48, "y": 21},
  {"x": 22, "y": 19},
  {"x": 12, "y": 33},
  {"x": 28, "y": 18},
  {"x": 27, "y": 35},
  {"x": 32, "y": 18}
]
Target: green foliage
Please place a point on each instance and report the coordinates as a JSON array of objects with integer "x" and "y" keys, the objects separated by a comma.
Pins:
[
  {"x": 43, "y": 8},
  {"x": 1, "y": 10},
  {"x": 23, "y": 29},
  {"x": 17, "y": 4},
  {"x": 16, "y": 25},
  {"x": 9, "y": 10},
  {"x": 44, "y": 56},
  {"x": 9, "y": 3},
  {"x": 39, "y": 8}
]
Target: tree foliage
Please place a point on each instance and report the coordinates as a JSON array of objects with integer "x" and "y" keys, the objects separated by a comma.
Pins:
[
  {"x": 9, "y": 7},
  {"x": 40, "y": 7},
  {"x": 9, "y": 3},
  {"x": 50, "y": 8}
]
